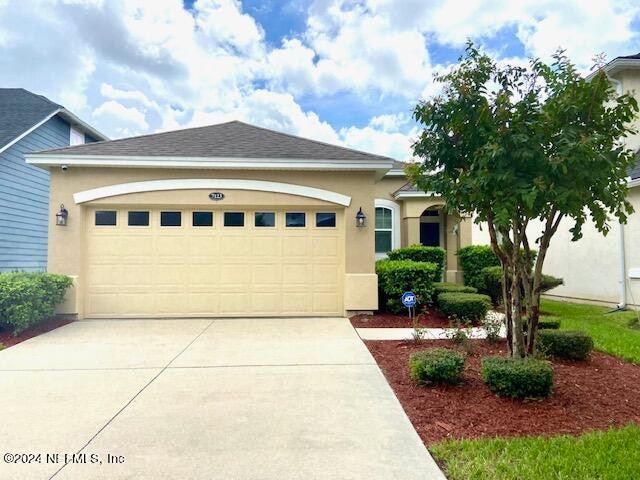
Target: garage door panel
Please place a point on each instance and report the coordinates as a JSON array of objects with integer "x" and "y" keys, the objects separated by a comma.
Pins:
[{"x": 213, "y": 271}]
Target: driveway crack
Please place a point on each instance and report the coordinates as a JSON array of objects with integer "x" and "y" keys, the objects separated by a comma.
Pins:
[{"x": 162, "y": 370}]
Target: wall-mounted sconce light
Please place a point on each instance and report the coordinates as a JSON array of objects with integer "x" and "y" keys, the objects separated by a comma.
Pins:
[
  {"x": 361, "y": 219},
  {"x": 61, "y": 216}
]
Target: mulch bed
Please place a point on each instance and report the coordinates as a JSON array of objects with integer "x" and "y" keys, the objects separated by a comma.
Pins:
[
  {"x": 429, "y": 319},
  {"x": 7, "y": 339},
  {"x": 598, "y": 393}
]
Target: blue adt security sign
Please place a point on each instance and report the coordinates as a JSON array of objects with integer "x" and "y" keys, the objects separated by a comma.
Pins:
[{"x": 409, "y": 299}]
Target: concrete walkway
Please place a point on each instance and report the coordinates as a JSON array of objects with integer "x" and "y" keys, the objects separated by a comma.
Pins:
[
  {"x": 427, "y": 333},
  {"x": 203, "y": 399}
]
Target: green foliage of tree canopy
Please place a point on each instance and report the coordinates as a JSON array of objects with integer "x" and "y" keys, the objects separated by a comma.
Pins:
[{"x": 511, "y": 145}]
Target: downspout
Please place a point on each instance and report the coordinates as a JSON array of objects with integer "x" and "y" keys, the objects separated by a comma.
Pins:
[{"x": 623, "y": 260}]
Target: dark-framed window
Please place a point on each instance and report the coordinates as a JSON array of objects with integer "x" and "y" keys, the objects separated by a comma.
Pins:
[
  {"x": 234, "y": 219},
  {"x": 170, "y": 219},
  {"x": 138, "y": 218},
  {"x": 325, "y": 219},
  {"x": 295, "y": 219},
  {"x": 265, "y": 219},
  {"x": 202, "y": 219},
  {"x": 106, "y": 218}
]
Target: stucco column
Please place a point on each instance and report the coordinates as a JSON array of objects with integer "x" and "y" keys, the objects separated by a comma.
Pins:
[
  {"x": 452, "y": 244},
  {"x": 412, "y": 229}
]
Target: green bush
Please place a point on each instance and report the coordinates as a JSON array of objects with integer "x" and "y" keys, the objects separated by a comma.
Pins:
[
  {"x": 420, "y": 253},
  {"x": 492, "y": 283},
  {"x": 571, "y": 344},
  {"x": 398, "y": 276},
  {"x": 549, "y": 323},
  {"x": 443, "y": 287},
  {"x": 517, "y": 377},
  {"x": 28, "y": 298},
  {"x": 469, "y": 307},
  {"x": 473, "y": 259},
  {"x": 436, "y": 365}
]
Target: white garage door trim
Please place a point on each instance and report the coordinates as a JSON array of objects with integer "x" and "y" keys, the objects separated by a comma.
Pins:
[{"x": 206, "y": 183}]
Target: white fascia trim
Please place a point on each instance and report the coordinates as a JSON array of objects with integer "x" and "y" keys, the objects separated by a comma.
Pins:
[
  {"x": 74, "y": 120},
  {"x": 411, "y": 194},
  {"x": 395, "y": 172},
  {"x": 27, "y": 132},
  {"x": 210, "y": 183},
  {"x": 633, "y": 183},
  {"x": 615, "y": 66},
  {"x": 52, "y": 160},
  {"x": 395, "y": 222}
]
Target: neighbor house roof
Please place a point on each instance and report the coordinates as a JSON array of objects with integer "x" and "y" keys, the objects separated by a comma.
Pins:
[
  {"x": 22, "y": 111},
  {"x": 618, "y": 64}
]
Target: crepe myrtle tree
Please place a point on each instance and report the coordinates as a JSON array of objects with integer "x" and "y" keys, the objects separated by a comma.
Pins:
[{"x": 522, "y": 148}]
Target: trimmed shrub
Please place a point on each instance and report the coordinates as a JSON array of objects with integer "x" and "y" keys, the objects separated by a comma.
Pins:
[
  {"x": 473, "y": 259},
  {"x": 436, "y": 365},
  {"x": 518, "y": 377},
  {"x": 469, "y": 307},
  {"x": 549, "y": 323},
  {"x": 26, "y": 299},
  {"x": 398, "y": 276},
  {"x": 443, "y": 287},
  {"x": 571, "y": 344},
  {"x": 492, "y": 283},
  {"x": 420, "y": 253}
]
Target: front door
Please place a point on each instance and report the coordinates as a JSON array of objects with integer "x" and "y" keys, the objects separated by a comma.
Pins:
[{"x": 430, "y": 234}]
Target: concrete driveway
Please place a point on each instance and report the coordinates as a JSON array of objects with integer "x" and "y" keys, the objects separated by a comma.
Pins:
[{"x": 203, "y": 399}]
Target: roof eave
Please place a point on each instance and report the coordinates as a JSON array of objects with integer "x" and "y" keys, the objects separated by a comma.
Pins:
[
  {"x": 46, "y": 160},
  {"x": 616, "y": 65},
  {"x": 77, "y": 121},
  {"x": 399, "y": 195},
  {"x": 396, "y": 172}
]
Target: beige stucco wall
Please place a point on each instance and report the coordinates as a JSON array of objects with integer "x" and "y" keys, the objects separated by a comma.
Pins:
[{"x": 66, "y": 247}]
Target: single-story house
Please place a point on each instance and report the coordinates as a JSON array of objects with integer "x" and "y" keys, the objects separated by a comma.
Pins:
[
  {"x": 598, "y": 268},
  {"x": 231, "y": 220},
  {"x": 30, "y": 123}
]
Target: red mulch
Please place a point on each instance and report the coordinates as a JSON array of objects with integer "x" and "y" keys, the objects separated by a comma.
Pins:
[
  {"x": 428, "y": 319},
  {"x": 595, "y": 394},
  {"x": 7, "y": 339}
]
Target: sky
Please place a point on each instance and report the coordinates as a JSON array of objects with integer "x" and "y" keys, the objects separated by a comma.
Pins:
[{"x": 347, "y": 72}]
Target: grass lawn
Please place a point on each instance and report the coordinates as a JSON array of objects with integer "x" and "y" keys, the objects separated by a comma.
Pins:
[
  {"x": 611, "y": 333},
  {"x": 610, "y": 455}
]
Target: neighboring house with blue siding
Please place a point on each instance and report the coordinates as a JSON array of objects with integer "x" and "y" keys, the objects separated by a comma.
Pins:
[{"x": 30, "y": 123}]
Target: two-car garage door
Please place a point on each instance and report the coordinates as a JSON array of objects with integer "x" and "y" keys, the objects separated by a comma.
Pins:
[{"x": 189, "y": 262}]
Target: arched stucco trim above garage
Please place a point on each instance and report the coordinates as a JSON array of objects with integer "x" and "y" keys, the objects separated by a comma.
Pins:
[{"x": 210, "y": 183}]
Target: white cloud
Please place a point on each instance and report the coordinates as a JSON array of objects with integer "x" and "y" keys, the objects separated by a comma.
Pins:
[{"x": 129, "y": 116}]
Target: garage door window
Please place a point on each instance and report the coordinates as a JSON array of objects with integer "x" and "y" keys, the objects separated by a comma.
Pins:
[
  {"x": 295, "y": 219},
  {"x": 170, "y": 219},
  {"x": 138, "y": 219},
  {"x": 265, "y": 219},
  {"x": 325, "y": 219},
  {"x": 106, "y": 218},
  {"x": 234, "y": 219},
  {"x": 202, "y": 219}
]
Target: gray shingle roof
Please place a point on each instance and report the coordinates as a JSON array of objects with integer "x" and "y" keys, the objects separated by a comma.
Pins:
[
  {"x": 635, "y": 57},
  {"x": 20, "y": 110},
  {"x": 232, "y": 139}
]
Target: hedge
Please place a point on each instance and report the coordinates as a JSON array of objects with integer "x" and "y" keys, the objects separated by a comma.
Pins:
[
  {"x": 492, "y": 282},
  {"x": 444, "y": 287},
  {"x": 469, "y": 307},
  {"x": 436, "y": 365},
  {"x": 518, "y": 377},
  {"x": 420, "y": 253},
  {"x": 27, "y": 299},
  {"x": 398, "y": 276},
  {"x": 571, "y": 344},
  {"x": 549, "y": 323},
  {"x": 473, "y": 259}
]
